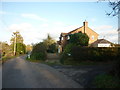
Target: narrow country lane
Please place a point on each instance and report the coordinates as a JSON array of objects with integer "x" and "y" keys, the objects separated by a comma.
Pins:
[{"x": 19, "y": 73}]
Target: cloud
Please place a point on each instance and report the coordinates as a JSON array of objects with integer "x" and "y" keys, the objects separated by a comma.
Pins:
[
  {"x": 3, "y": 12},
  {"x": 111, "y": 35},
  {"x": 20, "y": 27},
  {"x": 8, "y": 13},
  {"x": 34, "y": 16},
  {"x": 27, "y": 30},
  {"x": 34, "y": 34},
  {"x": 107, "y": 32},
  {"x": 103, "y": 27}
]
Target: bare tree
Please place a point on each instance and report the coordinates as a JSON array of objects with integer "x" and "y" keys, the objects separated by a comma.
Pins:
[{"x": 115, "y": 5}]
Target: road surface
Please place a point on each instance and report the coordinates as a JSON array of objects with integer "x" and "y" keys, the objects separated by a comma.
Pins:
[{"x": 19, "y": 73}]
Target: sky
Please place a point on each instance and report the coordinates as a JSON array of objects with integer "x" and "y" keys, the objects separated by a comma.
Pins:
[{"x": 34, "y": 20}]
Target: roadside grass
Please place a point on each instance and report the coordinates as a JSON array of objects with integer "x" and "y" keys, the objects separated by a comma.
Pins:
[
  {"x": 87, "y": 62},
  {"x": 106, "y": 81},
  {"x": 4, "y": 59},
  {"x": 73, "y": 62},
  {"x": 52, "y": 63},
  {"x": 36, "y": 61}
]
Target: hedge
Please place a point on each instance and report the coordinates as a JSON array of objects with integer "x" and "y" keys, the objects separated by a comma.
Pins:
[{"x": 95, "y": 53}]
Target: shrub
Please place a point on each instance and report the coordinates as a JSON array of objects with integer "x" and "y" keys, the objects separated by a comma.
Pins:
[
  {"x": 39, "y": 52},
  {"x": 52, "y": 48},
  {"x": 68, "y": 48},
  {"x": 65, "y": 54},
  {"x": 38, "y": 56}
]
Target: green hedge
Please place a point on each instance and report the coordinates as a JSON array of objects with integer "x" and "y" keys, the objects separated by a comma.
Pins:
[{"x": 95, "y": 53}]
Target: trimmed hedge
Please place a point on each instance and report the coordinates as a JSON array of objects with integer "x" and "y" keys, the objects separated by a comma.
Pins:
[{"x": 95, "y": 53}]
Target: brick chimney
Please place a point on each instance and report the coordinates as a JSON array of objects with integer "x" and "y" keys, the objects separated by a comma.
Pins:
[{"x": 85, "y": 24}]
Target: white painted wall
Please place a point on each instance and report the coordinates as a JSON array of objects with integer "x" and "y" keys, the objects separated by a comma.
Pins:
[{"x": 104, "y": 45}]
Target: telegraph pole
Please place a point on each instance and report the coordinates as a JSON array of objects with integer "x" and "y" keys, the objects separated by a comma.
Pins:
[{"x": 15, "y": 34}]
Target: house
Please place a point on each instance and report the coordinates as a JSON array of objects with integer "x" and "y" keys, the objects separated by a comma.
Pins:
[
  {"x": 102, "y": 43},
  {"x": 64, "y": 37}
]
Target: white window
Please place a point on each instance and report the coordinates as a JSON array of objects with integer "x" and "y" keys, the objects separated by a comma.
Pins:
[
  {"x": 68, "y": 37},
  {"x": 92, "y": 37}
]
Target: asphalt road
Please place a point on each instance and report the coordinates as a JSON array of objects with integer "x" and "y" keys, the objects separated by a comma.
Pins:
[{"x": 19, "y": 73}]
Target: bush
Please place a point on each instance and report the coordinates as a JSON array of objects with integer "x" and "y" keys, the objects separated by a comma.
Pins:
[
  {"x": 66, "y": 52},
  {"x": 52, "y": 48},
  {"x": 38, "y": 56},
  {"x": 39, "y": 52},
  {"x": 68, "y": 48}
]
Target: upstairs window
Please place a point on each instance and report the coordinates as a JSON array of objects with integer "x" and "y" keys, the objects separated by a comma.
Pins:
[{"x": 92, "y": 37}]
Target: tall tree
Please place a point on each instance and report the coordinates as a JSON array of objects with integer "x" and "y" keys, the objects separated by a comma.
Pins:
[
  {"x": 28, "y": 48},
  {"x": 16, "y": 35},
  {"x": 20, "y": 48},
  {"x": 49, "y": 40},
  {"x": 50, "y": 44},
  {"x": 17, "y": 43},
  {"x": 5, "y": 49},
  {"x": 115, "y": 5}
]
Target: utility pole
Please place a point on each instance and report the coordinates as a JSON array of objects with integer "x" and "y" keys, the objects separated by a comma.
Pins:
[{"x": 15, "y": 34}]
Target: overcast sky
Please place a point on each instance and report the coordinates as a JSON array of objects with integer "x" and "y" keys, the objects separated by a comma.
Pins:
[{"x": 35, "y": 20}]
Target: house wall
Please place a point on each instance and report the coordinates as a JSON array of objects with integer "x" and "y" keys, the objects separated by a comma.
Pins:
[{"x": 91, "y": 34}]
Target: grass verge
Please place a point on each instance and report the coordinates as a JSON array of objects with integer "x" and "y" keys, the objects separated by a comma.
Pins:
[
  {"x": 4, "y": 59},
  {"x": 106, "y": 81},
  {"x": 78, "y": 63},
  {"x": 37, "y": 61},
  {"x": 50, "y": 63}
]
